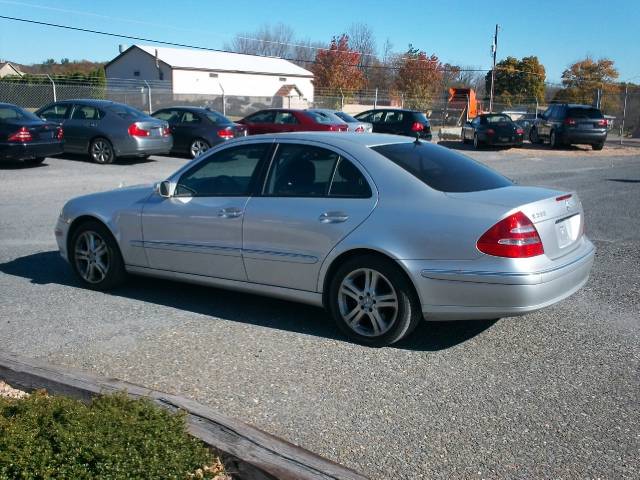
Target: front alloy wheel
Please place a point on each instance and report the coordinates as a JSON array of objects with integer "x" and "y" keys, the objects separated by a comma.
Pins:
[{"x": 95, "y": 256}]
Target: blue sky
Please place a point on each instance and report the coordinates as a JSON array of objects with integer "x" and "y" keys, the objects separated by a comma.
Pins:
[{"x": 558, "y": 32}]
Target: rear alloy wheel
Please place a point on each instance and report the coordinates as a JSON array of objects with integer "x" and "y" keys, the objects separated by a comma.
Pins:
[
  {"x": 372, "y": 301},
  {"x": 198, "y": 147},
  {"x": 95, "y": 257},
  {"x": 597, "y": 146},
  {"x": 101, "y": 151}
]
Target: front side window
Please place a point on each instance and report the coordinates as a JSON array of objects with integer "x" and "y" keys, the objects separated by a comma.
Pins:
[
  {"x": 442, "y": 169},
  {"x": 56, "y": 112},
  {"x": 230, "y": 172},
  {"x": 85, "y": 112},
  {"x": 301, "y": 171}
]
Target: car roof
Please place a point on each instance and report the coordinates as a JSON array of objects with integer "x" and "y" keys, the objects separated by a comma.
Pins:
[
  {"x": 393, "y": 109},
  {"x": 338, "y": 139}
]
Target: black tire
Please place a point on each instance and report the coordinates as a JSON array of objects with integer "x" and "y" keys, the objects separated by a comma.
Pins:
[
  {"x": 35, "y": 161},
  {"x": 597, "y": 146},
  {"x": 406, "y": 315},
  {"x": 477, "y": 144},
  {"x": 198, "y": 146},
  {"x": 115, "y": 273},
  {"x": 101, "y": 151},
  {"x": 534, "y": 138},
  {"x": 553, "y": 140},
  {"x": 464, "y": 139}
]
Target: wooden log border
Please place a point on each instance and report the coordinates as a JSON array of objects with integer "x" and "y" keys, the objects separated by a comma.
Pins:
[{"x": 247, "y": 452}]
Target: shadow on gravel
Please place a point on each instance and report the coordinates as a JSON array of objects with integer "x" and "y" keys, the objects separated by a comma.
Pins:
[
  {"x": 49, "y": 268},
  {"x": 85, "y": 158},
  {"x": 623, "y": 180},
  {"x": 21, "y": 165},
  {"x": 458, "y": 145}
]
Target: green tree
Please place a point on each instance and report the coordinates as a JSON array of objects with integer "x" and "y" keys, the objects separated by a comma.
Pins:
[{"x": 518, "y": 81}]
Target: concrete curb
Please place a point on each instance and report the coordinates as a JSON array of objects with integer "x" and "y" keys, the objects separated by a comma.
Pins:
[{"x": 247, "y": 452}]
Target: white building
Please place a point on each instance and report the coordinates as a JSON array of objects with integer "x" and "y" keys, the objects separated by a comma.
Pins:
[
  {"x": 7, "y": 68},
  {"x": 191, "y": 71}
]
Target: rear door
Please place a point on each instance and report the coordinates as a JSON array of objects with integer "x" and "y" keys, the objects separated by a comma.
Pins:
[
  {"x": 260, "y": 122},
  {"x": 313, "y": 197},
  {"x": 58, "y": 113},
  {"x": 84, "y": 124}
]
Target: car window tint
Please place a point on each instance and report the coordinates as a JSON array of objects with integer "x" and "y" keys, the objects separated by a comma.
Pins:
[
  {"x": 56, "y": 112},
  {"x": 216, "y": 117},
  {"x": 364, "y": 116},
  {"x": 286, "y": 118},
  {"x": 301, "y": 171},
  {"x": 498, "y": 119},
  {"x": 394, "y": 117},
  {"x": 584, "y": 112},
  {"x": 190, "y": 118},
  {"x": 261, "y": 117},
  {"x": 126, "y": 112},
  {"x": 16, "y": 113},
  {"x": 85, "y": 112},
  {"x": 442, "y": 169},
  {"x": 349, "y": 182},
  {"x": 323, "y": 118},
  {"x": 225, "y": 173},
  {"x": 377, "y": 116},
  {"x": 171, "y": 116},
  {"x": 345, "y": 117}
]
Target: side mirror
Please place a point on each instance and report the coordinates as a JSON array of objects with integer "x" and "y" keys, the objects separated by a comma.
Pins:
[{"x": 164, "y": 189}]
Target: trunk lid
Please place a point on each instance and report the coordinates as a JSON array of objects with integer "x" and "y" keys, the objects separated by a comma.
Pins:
[{"x": 557, "y": 215}]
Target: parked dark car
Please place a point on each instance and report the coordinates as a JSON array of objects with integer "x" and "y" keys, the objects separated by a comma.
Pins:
[
  {"x": 26, "y": 138},
  {"x": 106, "y": 130},
  {"x": 195, "y": 130},
  {"x": 290, "y": 120},
  {"x": 492, "y": 129},
  {"x": 568, "y": 124},
  {"x": 398, "y": 122},
  {"x": 526, "y": 121}
]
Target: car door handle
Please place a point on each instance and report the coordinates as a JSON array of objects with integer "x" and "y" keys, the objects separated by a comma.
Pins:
[
  {"x": 333, "y": 217},
  {"x": 231, "y": 212}
]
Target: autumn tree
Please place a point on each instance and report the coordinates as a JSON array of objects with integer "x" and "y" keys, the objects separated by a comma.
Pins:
[
  {"x": 518, "y": 80},
  {"x": 419, "y": 78},
  {"x": 583, "y": 79},
  {"x": 336, "y": 68}
]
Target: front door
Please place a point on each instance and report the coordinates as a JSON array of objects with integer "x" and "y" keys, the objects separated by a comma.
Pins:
[
  {"x": 313, "y": 198},
  {"x": 198, "y": 230}
]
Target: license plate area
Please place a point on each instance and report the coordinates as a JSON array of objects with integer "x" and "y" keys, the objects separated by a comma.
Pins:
[{"x": 568, "y": 230}]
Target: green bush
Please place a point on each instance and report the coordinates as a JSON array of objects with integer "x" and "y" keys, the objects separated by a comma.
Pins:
[{"x": 113, "y": 437}]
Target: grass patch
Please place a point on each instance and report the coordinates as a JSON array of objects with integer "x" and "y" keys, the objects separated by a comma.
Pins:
[{"x": 113, "y": 437}]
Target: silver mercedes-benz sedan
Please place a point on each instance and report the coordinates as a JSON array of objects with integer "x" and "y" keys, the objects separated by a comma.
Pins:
[{"x": 381, "y": 230}]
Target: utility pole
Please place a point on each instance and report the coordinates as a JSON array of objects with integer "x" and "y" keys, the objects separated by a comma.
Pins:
[
  {"x": 624, "y": 111},
  {"x": 494, "y": 51}
]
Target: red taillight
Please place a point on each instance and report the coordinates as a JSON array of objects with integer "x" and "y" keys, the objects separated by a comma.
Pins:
[
  {"x": 338, "y": 128},
  {"x": 136, "y": 131},
  {"x": 491, "y": 131},
  {"x": 603, "y": 122},
  {"x": 513, "y": 237},
  {"x": 359, "y": 129},
  {"x": 59, "y": 133},
  {"x": 22, "y": 135},
  {"x": 166, "y": 131},
  {"x": 226, "y": 134},
  {"x": 519, "y": 131},
  {"x": 417, "y": 127},
  {"x": 563, "y": 197},
  {"x": 569, "y": 121}
]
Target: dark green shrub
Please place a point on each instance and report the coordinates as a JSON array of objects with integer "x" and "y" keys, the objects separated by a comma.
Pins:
[{"x": 113, "y": 437}]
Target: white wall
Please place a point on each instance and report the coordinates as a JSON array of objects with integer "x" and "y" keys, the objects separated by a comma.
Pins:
[
  {"x": 137, "y": 60},
  {"x": 243, "y": 84}
]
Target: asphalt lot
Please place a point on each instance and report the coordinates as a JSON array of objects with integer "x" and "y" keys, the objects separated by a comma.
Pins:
[{"x": 554, "y": 394}]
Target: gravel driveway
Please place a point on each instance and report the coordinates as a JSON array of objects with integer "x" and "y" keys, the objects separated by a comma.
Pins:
[{"x": 553, "y": 394}]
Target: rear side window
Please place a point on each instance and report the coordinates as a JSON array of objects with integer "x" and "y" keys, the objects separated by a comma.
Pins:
[
  {"x": 86, "y": 112},
  {"x": 584, "y": 113},
  {"x": 442, "y": 169},
  {"x": 321, "y": 117},
  {"x": 16, "y": 113},
  {"x": 285, "y": 118},
  {"x": 345, "y": 117}
]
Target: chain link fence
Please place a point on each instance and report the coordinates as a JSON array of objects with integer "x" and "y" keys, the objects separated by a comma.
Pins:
[{"x": 622, "y": 106}]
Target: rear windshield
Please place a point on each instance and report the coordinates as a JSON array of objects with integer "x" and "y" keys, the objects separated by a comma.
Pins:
[
  {"x": 320, "y": 117},
  {"x": 582, "y": 112},
  {"x": 346, "y": 117},
  {"x": 126, "y": 112},
  {"x": 216, "y": 117},
  {"x": 498, "y": 118},
  {"x": 15, "y": 113},
  {"x": 442, "y": 169}
]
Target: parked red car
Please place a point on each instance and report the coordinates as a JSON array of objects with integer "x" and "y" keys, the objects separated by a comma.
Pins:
[{"x": 290, "y": 120}]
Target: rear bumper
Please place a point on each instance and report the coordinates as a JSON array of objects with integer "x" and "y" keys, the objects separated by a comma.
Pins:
[
  {"x": 19, "y": 152},
  {"x": 582, "y": 136},
  {"x": 496, "y": 140},
  {"x": 470, "y": 294},
  {"x": 138, "y": 146}
]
